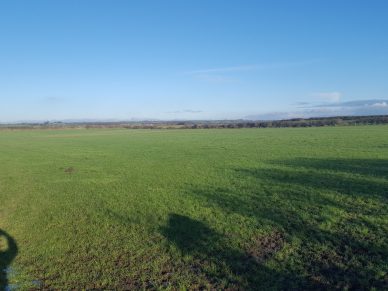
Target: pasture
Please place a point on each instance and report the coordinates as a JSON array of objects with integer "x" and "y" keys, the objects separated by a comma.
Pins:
[{"x": 231, "y": 209}]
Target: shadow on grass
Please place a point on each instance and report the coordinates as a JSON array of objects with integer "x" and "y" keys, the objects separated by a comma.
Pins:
[
  {"x": 336, "y": 217},
  {"x": 8, "y": 251},
  {"x": 225, "y": 267},
  {"x": 367, "y": 167}
]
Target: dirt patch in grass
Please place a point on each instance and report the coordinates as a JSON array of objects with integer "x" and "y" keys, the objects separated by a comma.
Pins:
[
  {"x": 69, "y": 170},
  {"x": 266, "y": 246}
]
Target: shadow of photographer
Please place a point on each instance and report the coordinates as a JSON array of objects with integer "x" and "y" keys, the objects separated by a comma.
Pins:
[{"x": 8, "y": 251}]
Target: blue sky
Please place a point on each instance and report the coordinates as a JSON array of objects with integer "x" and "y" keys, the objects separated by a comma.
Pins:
[{"x": 199, "y": 59}]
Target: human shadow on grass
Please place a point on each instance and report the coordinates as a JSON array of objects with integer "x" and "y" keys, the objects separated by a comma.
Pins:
[
  {"x": 352, "y": 253},
  {"x": 7, "y": 253},
  {"x": 223, "y": 266}
]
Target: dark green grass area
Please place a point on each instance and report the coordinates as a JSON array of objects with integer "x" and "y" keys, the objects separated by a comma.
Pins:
[{"x": 194, "y": 209}]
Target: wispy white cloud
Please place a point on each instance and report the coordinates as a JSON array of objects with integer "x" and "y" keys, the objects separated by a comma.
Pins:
[
  {"x": 253, "y": 67},
  {"x": 355, "y": 103},
  {"x": 380, "y": 104},
  {"x": 328, "y": 96},
  {"x": 192, "y": 111},
  {"x": 224, "y": 70},
  {"x": 216, "y": 78}
]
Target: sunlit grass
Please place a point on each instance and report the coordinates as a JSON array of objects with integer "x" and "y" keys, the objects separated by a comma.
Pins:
[{"x": 248, "y": 208}]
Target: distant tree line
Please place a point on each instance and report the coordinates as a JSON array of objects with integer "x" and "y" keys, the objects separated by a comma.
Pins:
[{"x": 295, "y": 122}]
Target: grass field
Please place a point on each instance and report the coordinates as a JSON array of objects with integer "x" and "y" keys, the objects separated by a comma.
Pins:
[{"x": 195, "y": 209}]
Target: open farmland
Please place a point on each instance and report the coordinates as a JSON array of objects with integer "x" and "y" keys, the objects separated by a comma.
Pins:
[{"x": 197, "y": 209}]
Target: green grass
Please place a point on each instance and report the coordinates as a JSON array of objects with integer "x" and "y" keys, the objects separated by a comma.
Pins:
[{"x": 191, "y": 209}]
